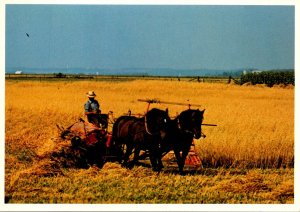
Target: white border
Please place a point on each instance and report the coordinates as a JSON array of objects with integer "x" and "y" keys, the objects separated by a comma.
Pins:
[
  {"x": 151, "y": 207},
  {"x": 297, "y": 115},
  {"x": 2, "y": 99},
  {"x": 156, "y": 2}
]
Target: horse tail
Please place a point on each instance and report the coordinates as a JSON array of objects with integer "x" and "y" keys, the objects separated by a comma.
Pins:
[
  {"x": 119, "y": 125},
  {"x": 116, "y": 129}
]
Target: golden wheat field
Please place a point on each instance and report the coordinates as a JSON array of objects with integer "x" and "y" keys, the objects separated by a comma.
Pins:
[{"x": 247, "y": 158}]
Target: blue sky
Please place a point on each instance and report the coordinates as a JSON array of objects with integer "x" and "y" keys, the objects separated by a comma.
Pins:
[{"x": 149, "y": 36}]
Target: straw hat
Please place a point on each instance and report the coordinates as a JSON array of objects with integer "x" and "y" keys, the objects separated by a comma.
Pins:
[{"x": 91, "y": 94}]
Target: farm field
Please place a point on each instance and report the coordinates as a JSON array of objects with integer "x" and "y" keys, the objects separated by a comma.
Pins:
[{"x": 248, "y": 158}]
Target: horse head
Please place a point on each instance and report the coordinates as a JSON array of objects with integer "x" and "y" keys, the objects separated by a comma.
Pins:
[{"x": 190, "y": 121}]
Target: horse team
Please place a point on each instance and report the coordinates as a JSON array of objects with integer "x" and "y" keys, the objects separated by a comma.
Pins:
[{"x": 157, "y": 134}]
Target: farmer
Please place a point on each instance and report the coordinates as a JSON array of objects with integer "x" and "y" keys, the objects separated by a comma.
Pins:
[{"x": 92, "y": 109}]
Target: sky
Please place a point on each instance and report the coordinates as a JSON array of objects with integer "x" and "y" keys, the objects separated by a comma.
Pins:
[{"x": 150, "y": 36}]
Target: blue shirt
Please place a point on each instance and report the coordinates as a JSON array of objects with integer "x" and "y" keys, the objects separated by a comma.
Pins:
[{"x": 92, "y": 106}]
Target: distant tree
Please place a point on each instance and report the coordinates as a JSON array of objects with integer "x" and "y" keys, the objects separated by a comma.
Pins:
[
  {"x": 60, "y": 75},
  {"x": 269, "y": 78}
]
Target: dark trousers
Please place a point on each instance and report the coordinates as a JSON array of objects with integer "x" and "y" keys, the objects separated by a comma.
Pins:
[
  {"x": 98, "y": 119},
  {"x": 94, "y": 119}
]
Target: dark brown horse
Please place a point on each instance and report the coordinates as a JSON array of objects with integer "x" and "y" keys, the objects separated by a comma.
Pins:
[
  {"x": 144, "y": 133},
  {"x": 181, "y": 132}
]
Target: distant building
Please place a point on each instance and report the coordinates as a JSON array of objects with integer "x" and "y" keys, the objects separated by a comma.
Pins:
[
  {"x": 19, "y": 72},
  {"x": 256, "y": 72},
  {"x": 251, "y": 71}
]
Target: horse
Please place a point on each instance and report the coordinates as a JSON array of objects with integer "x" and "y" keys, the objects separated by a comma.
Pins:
[
  {"x": 180, "y": 134},
  {"x": 137, "y": 134}
]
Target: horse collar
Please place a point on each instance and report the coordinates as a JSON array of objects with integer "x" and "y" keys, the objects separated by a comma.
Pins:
[{"x": 146, "y": 128}]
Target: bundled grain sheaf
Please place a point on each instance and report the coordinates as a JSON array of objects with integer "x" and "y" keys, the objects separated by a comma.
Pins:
[{"x": 269, "y": 78}]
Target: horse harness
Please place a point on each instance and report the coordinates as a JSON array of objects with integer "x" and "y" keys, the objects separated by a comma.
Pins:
[
  {"x": 180, "y": 128},
  {"x": 187, "y": 131}
]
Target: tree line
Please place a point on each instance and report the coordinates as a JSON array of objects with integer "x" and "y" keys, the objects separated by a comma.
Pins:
[{"x": 269, "y": 78}]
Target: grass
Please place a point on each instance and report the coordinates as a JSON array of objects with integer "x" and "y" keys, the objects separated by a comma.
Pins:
[
  {"x": 247, "y": 158},
  {"x": 114, "y": 184}
]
